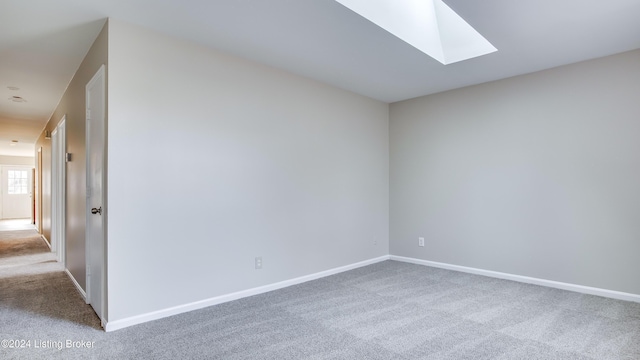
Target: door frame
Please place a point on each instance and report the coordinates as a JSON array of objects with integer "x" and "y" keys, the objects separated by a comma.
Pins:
[
  {"x": 58, "y": 191},
  {"x": 33, "y": 196},
  {"x": 39, "y": 191}
]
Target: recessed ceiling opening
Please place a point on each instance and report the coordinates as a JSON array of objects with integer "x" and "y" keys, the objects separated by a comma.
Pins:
[{"x": 428, "y": 25}]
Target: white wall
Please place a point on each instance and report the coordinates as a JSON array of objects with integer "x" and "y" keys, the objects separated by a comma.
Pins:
[
  {"x": 213, "y": 160},
  {"x": 537, "y": 175}
]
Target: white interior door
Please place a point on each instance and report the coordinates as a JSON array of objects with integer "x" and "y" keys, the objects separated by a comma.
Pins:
[
  {"x": 16, "y": 192},
  {"x": 95, "y": 244}
]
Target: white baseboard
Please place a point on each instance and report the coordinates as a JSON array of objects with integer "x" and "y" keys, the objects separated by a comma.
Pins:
[
  {"x": 524, "y": 279},
  {"x": 155, "y": 315},
  {"x": 78, "y": 287}
]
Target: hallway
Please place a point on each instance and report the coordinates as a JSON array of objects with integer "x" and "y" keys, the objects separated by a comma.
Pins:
[
  {"x": 16, "y": 224},
  {"x": 38, "y": 301}
]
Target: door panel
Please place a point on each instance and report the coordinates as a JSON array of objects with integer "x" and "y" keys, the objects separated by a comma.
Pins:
[
  {"x": 16, "y": 187},
  {"x": 95, "y": 100}
]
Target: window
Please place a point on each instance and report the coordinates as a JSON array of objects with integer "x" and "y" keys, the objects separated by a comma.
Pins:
[{"x": 18, "y": 182}]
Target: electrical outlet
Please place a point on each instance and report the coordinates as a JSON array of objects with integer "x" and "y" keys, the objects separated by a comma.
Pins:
[
  {"x": 375, "y": 241},
  {"x": 259, "y": 262},
  {"x": 420, "y": 241}
]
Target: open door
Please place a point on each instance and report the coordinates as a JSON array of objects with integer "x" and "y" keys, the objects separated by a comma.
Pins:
[{"x": 95, "y": 239}]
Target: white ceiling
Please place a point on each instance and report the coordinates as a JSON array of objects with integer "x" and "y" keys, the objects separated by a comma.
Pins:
[{"x": 42, "y": 43}]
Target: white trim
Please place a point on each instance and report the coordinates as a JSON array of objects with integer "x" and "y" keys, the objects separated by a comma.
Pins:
[
  {"x": 524, "y": 279},
  {"x": 78, "y": 287},
  {"x": 54, "y": 192},
  {"x": 58, "y": 190},
  {"x": 155, "y": 315}
]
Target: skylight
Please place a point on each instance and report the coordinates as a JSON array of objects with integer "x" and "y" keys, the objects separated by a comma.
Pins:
[{"x": 428, "y": 25}]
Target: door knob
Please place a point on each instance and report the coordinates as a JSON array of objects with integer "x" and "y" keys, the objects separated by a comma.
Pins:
[{"x": 97, "y": 211}]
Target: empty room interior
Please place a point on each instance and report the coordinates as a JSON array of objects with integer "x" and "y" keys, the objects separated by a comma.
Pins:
[{"x": 437, "y": 179}]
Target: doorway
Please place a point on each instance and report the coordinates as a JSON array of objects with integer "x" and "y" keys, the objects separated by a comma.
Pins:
[{"x": 15, "y": 195}]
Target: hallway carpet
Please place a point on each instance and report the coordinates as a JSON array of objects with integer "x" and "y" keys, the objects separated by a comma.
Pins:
[
  {"x": 21, "y": 242},
  {"x": 389, "y": 310}
]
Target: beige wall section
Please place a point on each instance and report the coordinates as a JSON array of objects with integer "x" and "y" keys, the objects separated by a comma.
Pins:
[
  {"x": 72, "y": 105},
  {"x": 536, "y": 175},
  {"x": 17, "y": 160}
]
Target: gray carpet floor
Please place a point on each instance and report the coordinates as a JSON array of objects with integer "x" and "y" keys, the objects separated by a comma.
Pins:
[{"x": 389, "y": 310}]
